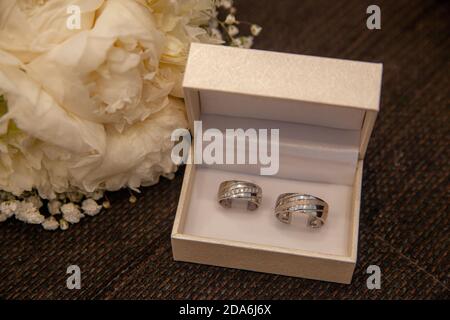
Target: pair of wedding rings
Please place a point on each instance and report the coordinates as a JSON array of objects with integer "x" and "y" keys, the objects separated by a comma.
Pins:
[{"x": 286, "y": 205}]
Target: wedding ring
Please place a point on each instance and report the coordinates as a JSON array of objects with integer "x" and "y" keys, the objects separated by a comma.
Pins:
[
  {"x": 239, "y": 190},
  {"x": 289, "y": 203}
]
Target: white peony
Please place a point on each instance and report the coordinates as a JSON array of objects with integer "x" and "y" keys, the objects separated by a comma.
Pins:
[{"x": 92, "y": 109}]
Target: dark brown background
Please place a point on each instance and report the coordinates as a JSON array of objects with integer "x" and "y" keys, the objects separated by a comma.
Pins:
[{"x": 126, "y": 253}]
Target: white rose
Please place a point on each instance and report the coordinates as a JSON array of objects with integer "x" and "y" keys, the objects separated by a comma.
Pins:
[{"x": 93, "y": 108}]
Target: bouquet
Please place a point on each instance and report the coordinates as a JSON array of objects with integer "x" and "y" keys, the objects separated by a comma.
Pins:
[{"x": 90, "y": 92}]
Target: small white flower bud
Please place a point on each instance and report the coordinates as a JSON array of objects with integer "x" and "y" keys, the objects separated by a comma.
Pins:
[
  {"x": 50, "y": 224},
  {"x": 230, "y": 19},
  {"x": 233, "y": 30},
  {"x": 8, "y": 208},
  {"x": 71, "y": 213},
  {"x": 255, "y": 29},
  {"x": 63, "y": 224},
  {"x": 132, "y": 199},
  {"x": 227, "y": 4},
  {"x": 90, "y": 207},
  {"x": 54, "y": 207},
  {"x": 244, "y": 42}
]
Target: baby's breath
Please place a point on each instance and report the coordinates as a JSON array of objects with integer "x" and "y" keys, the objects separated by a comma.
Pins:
[
  {"x": 226, "y": 29},
  {"x": 58, "y": 213}
]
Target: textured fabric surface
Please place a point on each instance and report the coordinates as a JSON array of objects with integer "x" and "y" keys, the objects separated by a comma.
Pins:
[{"x": 125, "y": 252}]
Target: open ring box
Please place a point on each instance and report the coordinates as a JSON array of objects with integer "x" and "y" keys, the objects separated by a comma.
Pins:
[{"x": 325, "y": 110}]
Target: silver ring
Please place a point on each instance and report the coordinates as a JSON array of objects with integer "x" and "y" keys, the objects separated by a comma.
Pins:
[
  {"x": 315, "y": 208},
  {"x": 239, "y": 190}
]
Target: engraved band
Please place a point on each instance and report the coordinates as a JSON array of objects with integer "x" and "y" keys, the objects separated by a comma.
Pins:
[
  {"x": 288, "y": 203},
  {"x": 243, "y": 190}
]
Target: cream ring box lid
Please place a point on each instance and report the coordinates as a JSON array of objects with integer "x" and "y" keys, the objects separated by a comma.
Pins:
[{"x": 325, "y": 110}]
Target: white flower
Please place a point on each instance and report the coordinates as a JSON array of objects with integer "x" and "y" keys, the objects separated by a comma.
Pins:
[
  {"x": 54, "y": 207},
  {"x": 71, "y": 213},
  {"x": 255, "y": 29},
  {"x": 132, "y": 199},
  {"x": 230, "y": 19},
  {"x": 106, "y": 204},
  {"x": 90, "y": 207},
  {"x": 35, "y": 200},
  {"x": 50, "y": 224},
  {"x": 27, "y": 212},
  {"x": 8, "y": 208},
  {"x": 93, "y": 109},
  {"x": 233, "y": 30},
  {"x": 244, "y": 42},
  {"x": 63, "y": 224},
  {"x": 227, "y": 4}
]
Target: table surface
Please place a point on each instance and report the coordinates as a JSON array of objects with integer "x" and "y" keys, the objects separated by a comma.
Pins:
[{"x": 125, "y": 252}]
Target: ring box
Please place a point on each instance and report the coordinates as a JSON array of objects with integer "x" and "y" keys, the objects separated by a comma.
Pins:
[{"x": 325, "y": 110}]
